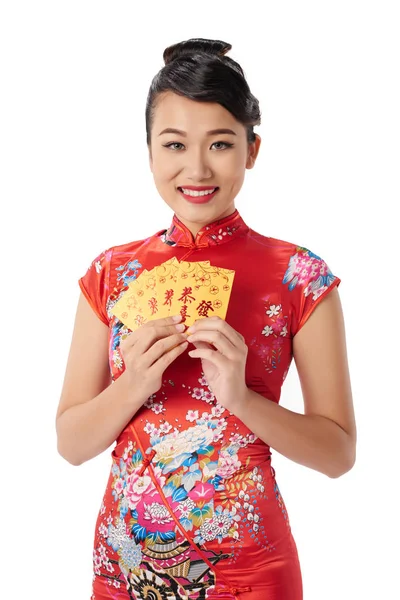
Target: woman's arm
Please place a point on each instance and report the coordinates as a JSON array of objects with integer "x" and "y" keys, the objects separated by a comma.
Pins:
[
  {"x": 324, "y": 437},
  {"x": 92, "y": 411}
]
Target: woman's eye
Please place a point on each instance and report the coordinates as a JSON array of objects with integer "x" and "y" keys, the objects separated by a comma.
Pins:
[
  {"x": 171, "y": 144},
  {"x": 224, "y": 144},
  {"x": 179, "y": 146}
]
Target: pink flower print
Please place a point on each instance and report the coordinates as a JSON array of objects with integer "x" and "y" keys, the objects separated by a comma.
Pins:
[
  {"x": 217, "y": 410},
  {"x": 102, "y": 552},
  {"x": 119, "y": 486},
  {"x": 109, "y": 567},
  {"x": 197, "y": 393},
  {"x": 277, "y": 342},
  {"x": 217, "y": 436},
  {"x": 323, "y": 268},
  {"x": 136, "y": 487},
  {"x": 185, "y": 507},
  {"x": 303, "y": 276},
  {"x": 281, "y": 321},
  {"x": 201, "y": 493},
  {"x": 251, "y": 438},
  {"x": 97, "y": 562},
  {"x": 154, "y": 515},
  {"x": 157, "y": 408},
  {"x": 228, "y": 464},
  {"x": 222, "y": 524},
  {"x": 150, "y": 401},
  {"x": 273, "y": 310},
  {"x": 192, "y": 415},
  {"x": 235, "y": 437},
  {"x": 159, "y": 477},
  {"x": 203, "y": 381},
  {"x": 208, "y": 396},
  {"x": 149, "y": 428},
  {"x": 264, "y": 350},
  {"x": 267, "y": 331},
  {"x": 320, "y": 291},
  {"x": 165, "y": 427},
  {"x": 206, "y": 417}
]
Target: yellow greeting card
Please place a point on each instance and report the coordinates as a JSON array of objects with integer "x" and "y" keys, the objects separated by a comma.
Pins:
[
  {"x": 193, "y": 289},
  {"x": 166, "y": 278}
]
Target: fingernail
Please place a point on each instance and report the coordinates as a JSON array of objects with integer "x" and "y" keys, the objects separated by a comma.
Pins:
[{"x": 177, "y": 318}]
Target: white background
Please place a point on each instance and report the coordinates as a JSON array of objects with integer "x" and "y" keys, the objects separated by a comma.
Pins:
[{"x": 75, "y": 180}]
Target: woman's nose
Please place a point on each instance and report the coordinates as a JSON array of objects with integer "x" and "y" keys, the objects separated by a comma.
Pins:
[{"x": 197, "y": 166}]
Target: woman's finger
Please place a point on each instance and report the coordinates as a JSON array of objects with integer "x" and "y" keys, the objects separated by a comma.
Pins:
[
  {"x": 217, "y": 324},
  {"x": 212, "y": 355},
  {"x": 217, "y": 339}
]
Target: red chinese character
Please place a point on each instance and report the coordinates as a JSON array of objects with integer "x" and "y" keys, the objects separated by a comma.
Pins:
[
  {"x": 186, "y": 295},
  {"x": 169, "y": 294},
  {"x": 204, "y": 307},
  {"x": 153, "y": 305},
  {"x": 184, "y": 314}
]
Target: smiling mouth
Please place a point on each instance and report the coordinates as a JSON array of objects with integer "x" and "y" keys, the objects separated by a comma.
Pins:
[{"x": 198, "y": 193}]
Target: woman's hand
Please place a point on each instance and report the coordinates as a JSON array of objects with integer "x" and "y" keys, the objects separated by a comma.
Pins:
[
  {"x": 224, "y": 365},
  {"x": 149, "y": 350}
]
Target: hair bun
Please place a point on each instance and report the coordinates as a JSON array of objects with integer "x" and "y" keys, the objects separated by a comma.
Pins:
[{"x": 194, "y": 45}]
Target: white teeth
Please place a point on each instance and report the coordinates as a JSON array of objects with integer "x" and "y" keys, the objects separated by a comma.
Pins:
[{"x": 195, "y": 193}]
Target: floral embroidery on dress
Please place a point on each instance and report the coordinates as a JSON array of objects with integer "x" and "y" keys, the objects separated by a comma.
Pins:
[
  {"x": 119, "y": 331},
  {"x": 217, "y": 233},
  {"x": 129, "y": 271},
  {"x": 305, "y": 267},
  {"x": 150, "y": 554},
  {"x": 269, "y": 343},
  {"x": 207, "y": 485}
]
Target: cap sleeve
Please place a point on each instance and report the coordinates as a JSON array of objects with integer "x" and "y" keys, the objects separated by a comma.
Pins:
[
  {"x": 308, "y": 279},
  {"x": 95, "y": 284}
]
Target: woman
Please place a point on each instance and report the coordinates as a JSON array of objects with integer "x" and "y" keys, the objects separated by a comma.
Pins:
[{"x": 192, "y": 508}]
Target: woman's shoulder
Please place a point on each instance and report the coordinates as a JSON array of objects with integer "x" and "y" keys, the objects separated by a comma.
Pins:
[{"x": 278, "y": 244}]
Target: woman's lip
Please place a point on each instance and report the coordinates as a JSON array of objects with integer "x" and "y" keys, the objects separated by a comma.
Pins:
[
  {"x": 198, "y": 199},
  {"x": 200, "y": 188}
]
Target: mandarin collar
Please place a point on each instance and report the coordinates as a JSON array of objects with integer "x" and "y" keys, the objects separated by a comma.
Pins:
[{"x": 214, "y": 234}]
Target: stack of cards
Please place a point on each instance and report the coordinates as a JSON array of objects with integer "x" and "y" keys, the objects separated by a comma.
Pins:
[{"x": 193, "y": 289}]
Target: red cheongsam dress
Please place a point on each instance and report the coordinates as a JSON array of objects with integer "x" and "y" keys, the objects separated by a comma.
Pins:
[{"x": 192, "y": 509}]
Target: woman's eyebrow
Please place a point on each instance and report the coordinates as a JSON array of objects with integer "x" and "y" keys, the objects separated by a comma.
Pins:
[{"x": 184, "y": 134}]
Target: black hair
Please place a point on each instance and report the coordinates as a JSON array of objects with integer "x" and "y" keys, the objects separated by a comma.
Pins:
[{"x": 198, "y": 69}]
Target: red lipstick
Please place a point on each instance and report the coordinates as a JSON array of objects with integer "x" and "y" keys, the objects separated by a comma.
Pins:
[{"x": 198, "y": 199}]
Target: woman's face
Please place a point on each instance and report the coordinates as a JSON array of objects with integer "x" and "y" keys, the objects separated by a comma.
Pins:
[{"x": 198, "y": 145}]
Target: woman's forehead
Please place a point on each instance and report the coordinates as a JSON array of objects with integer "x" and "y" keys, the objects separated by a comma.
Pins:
[{"x": 181, "y": 113}]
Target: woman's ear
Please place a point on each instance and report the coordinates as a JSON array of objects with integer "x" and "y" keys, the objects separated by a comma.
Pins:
[{"x": 253, "y": 149}]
